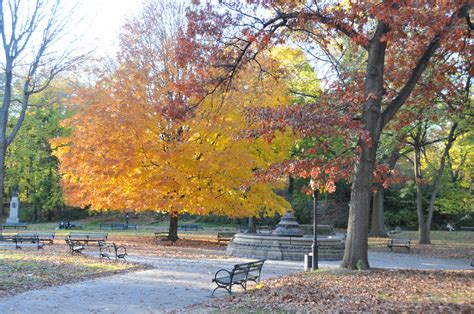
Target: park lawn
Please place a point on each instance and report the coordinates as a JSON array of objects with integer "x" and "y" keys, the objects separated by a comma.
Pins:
[
  {"x": 355, "y": 291},
  {"x": 444, "y": 244},
  {"x": 26, "y": 270}
]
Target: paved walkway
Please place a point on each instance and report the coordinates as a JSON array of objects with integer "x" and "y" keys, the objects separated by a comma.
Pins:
[{"x": 173, "y": 285}]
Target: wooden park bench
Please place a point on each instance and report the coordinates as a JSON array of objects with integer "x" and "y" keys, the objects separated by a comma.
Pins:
[
  {"x": 398, "y": 242},
  {"x": 86, "y": 237},
  {"x": 75, "y": 247},
  {"x": 18, "y": 225},
  {"x": 163, "y": 236},
  {"x": 224, "y": 237},
  {"x": 239, "y": 275},
  {"x": 189, "y": 227},
  {"x": 20, "y": 242},
  {"x": 117, "y": 226},
  {"x": 467, "y": 228},
  {"x": 44, "y": 237},
  {"x": 110, "y": 249}
]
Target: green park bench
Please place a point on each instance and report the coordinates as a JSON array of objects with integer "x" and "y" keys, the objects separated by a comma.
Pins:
[
  {"x": 398, "y": 242},
  {"x": 20, "y": 241},
  {"x": 224, "y": 237},
  {"x": 163, "y": 236},
  {"x": 86, "y": 237},
  {"x": 42, "y": 236},
  {"x": 239, "y": 275},
  {"x": 75, "y": 247},
  {"x": 117, "y": 226},
  {"x": 18, "y": 225},
  {"x": 111, "y": 250},
  {"x": 189, "y": 227}
]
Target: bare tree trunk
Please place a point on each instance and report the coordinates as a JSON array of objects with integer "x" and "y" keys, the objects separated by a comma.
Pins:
[
  {"x": 424, "y": 223},
  {"x": 2, "y": 174},
  {"x": 378, "y": 226},
  {"x": 442, "y": 164},
  {"x": 291, "y": 189},
  {"x": 378, "y": 197},
  {"x": 424, "y": 237},
  {"x": 252, "y": 225},
  {"x": 173, "y": 230},
  {"x": 28, "y": 32}
]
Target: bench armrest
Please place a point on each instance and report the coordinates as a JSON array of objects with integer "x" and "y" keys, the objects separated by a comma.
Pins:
[
  {"x": 219, "y": 271},
  {"x": 121, "y": 247}
]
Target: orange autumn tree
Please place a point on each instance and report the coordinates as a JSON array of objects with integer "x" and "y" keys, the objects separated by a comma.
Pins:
[
  {"x": 122, "y": 155},
  {"x": 139, "y": 144}
]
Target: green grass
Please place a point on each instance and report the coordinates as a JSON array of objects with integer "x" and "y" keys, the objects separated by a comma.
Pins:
[
  {"x": 456, "y": 236},
  {"x": 33, "y": 269}
]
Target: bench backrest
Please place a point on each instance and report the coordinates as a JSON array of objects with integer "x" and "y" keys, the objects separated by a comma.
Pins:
[
  {"x": 248, "y": 267},
  {"x": 41, "y": 235},
  {"x": 225, "y": 235},
  {"x": 88, "y": 236},
  {"x": 399, "y": 240}
]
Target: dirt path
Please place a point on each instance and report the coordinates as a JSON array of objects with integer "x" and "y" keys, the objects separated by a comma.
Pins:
[{"x": 173, "y": 285}]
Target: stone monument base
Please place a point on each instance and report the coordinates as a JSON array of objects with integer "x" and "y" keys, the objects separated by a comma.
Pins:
[{"x": 13, "y": 220}]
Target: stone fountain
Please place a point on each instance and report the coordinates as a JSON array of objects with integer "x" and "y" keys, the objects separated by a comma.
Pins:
[{"x": 287, "y": 242}]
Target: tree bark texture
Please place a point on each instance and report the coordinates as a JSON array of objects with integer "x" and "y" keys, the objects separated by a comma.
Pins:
[
  {"x": 377, "y": 228},
  {"x": 173, "y": 230},
  {"x": 2, "y": 175},
  {"x": 355, "y": 253},
  {"x": 252, "y": 225}
]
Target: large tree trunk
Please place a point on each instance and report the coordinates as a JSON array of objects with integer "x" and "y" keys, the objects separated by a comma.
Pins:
[
  {"x": 355, "y": 253},
  {"x": 378, "y": 225},
  {"x": 252, "y": 225},
  {"x": 173, "y": 231}
]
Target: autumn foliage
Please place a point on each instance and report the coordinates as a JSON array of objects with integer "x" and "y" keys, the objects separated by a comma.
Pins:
[
  {"x": 400, "y": 45},
  {"x": 139, "y": 142}
]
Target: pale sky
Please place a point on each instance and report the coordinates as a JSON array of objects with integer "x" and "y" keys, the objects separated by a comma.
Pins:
[{"x": 102, "y": 21}]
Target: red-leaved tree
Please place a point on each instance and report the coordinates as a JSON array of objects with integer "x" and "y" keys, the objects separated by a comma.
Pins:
[{"x": 397, "y": 41}]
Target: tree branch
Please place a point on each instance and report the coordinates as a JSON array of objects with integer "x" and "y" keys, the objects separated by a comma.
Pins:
[{"x": 420, "y": 67}]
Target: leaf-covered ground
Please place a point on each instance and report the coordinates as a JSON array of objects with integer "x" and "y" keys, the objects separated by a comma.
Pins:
[
  {"x": 349, "y": 291},
  {"x": 189, "y": 247},
  {"x": 32, "y": 269}
]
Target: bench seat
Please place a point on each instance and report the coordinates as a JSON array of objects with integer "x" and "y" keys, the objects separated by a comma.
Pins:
[
  {"x": 225, "y": 236},
  {"x": 20, "y": 242},
  {"x": 398, "y": 242}
]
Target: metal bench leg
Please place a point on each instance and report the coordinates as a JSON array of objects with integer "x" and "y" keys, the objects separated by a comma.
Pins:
[{"x": 222, "y": 287}]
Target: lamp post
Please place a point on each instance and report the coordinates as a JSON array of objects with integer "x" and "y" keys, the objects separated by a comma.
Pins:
[{"x": 314, "y": 247}]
